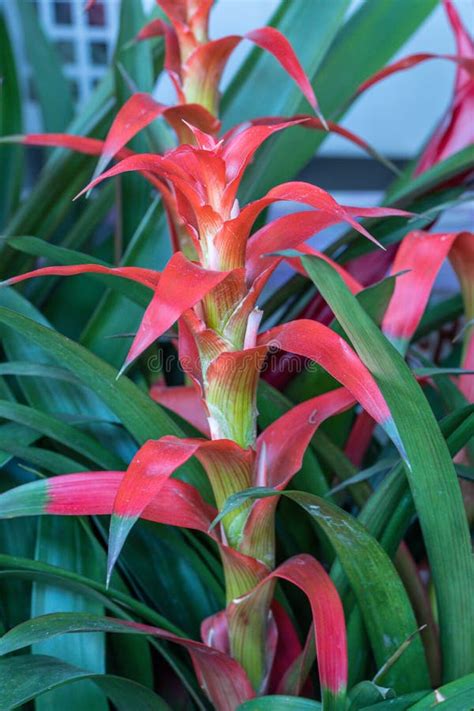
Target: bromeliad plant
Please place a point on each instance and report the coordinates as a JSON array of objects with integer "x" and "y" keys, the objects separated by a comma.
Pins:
[{"x": 211, "y": 288}]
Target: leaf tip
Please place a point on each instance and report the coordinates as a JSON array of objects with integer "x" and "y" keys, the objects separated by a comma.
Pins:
[{"x": 119, "y": 529}]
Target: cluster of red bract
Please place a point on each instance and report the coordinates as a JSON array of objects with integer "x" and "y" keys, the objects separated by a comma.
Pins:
[{"x": 210, "y": 288}]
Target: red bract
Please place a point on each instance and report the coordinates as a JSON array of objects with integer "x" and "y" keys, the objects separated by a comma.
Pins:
[
  {"x": 456, "y": 130},
  {"x": 418, "y": 261},
  {"x": 195, "y": 65}
]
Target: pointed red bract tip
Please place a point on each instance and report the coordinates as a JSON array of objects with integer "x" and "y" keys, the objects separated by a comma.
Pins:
[
  {"x": 137, "y": 113},
  {"x": 171, "y": 300},
  {"x": 273, "y": 41}
]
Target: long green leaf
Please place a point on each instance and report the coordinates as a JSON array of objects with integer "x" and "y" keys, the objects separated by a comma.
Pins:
[
  {"x": 68, "y": 543},
  {"x": 139, "y": 414},
  {"x": 26, "y": 677},
  {"x": 11, "y": 157},
  {"x": 53, "y": 90},
  {"x": 279, "y": 703},
  {"x": 458, "y": 695},
  {"x": 61, "y": 255},
  {"x": 428, "y": 467},
  {"x": 384, "y": 603},
  {"x": 58, "y": 430}
]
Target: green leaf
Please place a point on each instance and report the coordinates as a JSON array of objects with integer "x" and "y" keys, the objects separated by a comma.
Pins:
[
  {"x": 455, "y": 696},
  {"x": 149, "y": 246},
  {"x": 25, "y": 677},
  {"x": 400, "y": 703},
  {"x": 58, "y": 430},
  {"x": 53, "y": 90},
  {"x": 139, "y": 414},
  {"x": 412, "y": 187},
  {"x": 384, "y": 604},
  {"x": 60, "y": 255},
  {"x": 366, "y": 693},
  {"x": 279, "y": 703},
  {"x": 17, "y": 538},
  {"x": 428, "y": 467},
  {"x": 44, "y": 394},
  {"x": 11, "y": 157},
  {"x": 163, "y": 582},
  {"x": 115, "y": 599},
  {"x": 37, "y": 370},
  {"x": 68, "y": 543}
]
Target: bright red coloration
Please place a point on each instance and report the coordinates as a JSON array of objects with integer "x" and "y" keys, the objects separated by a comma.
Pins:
[
  {"x": 224, "y": 680},
  {"x": 195, "y": 65},
  {"x": 94, "y": 493},
  {"x": 292, "y": 230},
  {"x": 456, "y": 130},
  {"x": 281, "y": 460},
  {"x": 170, "y": 300},
  {"x": 308, "y": 575},
  {"x": 139, "y": 111},
  {"x": 422, "y": 254},
  {"x": 466, "y": 63},
  {"x": 147, "y": 277},
  {"x": 185, "y": 401},
  {"x": 317, "y": 342}
]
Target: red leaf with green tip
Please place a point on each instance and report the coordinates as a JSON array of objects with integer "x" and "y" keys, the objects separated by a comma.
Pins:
[
  {"x": 93, "y": 494},
  {"x": 422, "y": 254},
  {"x": 147, "y": 474}
]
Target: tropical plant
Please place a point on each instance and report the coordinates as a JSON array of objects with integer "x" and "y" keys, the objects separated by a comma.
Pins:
[{"x": 364, "y": 564}]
